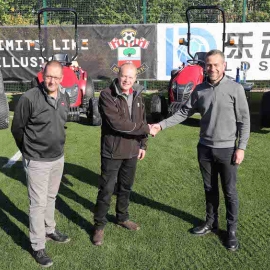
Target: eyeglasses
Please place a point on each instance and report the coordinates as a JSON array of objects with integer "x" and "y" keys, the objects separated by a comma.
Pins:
[{"x": 49, "y": 78}]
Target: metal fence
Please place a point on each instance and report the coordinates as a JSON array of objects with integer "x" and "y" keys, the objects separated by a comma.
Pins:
[{"x": 24, "y": 12}]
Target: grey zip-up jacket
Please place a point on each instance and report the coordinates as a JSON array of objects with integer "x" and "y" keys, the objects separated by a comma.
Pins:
[
  {"x": 224, "y": 114},
  {"x": 38, "y": 125}
]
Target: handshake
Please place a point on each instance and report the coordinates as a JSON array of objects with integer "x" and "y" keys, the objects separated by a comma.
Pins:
[{"x": 154, "y": 129}]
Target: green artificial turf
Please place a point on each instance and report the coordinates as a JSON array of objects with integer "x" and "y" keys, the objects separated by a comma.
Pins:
[{"x": 167, "y": 201}]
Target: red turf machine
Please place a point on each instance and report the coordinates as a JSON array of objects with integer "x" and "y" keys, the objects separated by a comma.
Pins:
[
  {"x": 186, "y": 77},
  {"x": 76, "y": 83}
]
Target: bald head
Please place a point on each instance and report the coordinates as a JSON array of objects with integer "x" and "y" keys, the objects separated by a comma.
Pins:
[
  {"x": 54, "y": 64},
  {"x": 127, "y": 76},
  {"x": 53, "y": 76},
  {"x": 127, "y": 65}
]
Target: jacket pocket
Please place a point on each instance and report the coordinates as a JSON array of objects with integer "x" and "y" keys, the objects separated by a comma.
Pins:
[{"x": 107, "y": 145}]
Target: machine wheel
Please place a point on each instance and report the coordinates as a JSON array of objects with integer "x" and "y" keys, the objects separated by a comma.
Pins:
[
  {"x": 93, "y": 113},
  {"x": 89, "y": 93},
  {"x": 265, "y": 110},
  {"x": 4, "y": 111},
  {"x": 2, "y": 89},
  {"x": 159, "y": 108}
]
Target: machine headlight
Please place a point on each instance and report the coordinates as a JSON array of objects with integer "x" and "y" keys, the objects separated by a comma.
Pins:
[
  {"x": 72, "y": 91},
  {"x": 188, "y": 87},
  {"x": 174, "y": 85}
]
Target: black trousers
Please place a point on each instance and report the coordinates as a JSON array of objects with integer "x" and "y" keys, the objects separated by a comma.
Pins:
[
  {"x": 214, "y": 162},
  {"x": 112, "y": 171}
]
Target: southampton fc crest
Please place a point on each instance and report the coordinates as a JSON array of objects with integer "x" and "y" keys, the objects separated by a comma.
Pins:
[{"x": 129, "y": 50}]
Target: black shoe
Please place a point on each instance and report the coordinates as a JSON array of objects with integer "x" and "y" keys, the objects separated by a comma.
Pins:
[
  {"x": 232, "y": 242},
  {"x": 205, "y": 228},
  {"x": 58, "y": 237},
  {"x": 42, "y": 258}
]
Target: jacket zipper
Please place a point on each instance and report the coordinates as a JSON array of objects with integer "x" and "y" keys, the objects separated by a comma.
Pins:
[{"x": 133, "y": 104}]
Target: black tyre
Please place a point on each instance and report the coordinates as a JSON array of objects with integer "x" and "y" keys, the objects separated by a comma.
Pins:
[
  {"x": 89, "y": 93},
  {"x": 4, "y": 111},
  {"x": 93, "y": 114},
  {"x": 159, "y": 108},
  {"x": 2, "y": 89},
  {"x": 265, "y": 110}
]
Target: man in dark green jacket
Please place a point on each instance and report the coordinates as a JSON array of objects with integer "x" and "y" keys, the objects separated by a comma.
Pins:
[{"x": 123, "y": 141}]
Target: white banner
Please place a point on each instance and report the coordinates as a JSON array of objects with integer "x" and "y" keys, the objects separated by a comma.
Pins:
[{"x": 252, "y": 45}]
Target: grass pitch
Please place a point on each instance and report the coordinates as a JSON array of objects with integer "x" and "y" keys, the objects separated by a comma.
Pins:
[{"x": 167, "y": 201}]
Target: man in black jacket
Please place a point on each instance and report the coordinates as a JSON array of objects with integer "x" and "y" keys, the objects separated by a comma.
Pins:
[
  {"x": 38, "y": 129},
  {"x": 123, "y": 141}
]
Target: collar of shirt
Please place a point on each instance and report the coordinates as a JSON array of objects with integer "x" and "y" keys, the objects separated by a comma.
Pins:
[
  {"x": 125, "y": 95},
  {"x": 48, "y": 96},
  {"x": 215, "y": 84},
  {"x": 51, "y": 100}
]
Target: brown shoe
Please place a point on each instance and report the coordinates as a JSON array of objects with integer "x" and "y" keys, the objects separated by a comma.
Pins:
[
  {"x": 130, "y": 225},
  {"x": 98, "y": 237}
]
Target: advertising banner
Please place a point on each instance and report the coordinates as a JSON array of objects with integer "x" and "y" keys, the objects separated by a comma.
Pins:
[
  {"x": 251, "y": 47},
  {"x": 153, "y": 48},
  {"x": 101, "y": 49}
]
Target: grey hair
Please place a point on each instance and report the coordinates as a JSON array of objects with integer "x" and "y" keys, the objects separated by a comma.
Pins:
[{"x": 215, "y": 52}]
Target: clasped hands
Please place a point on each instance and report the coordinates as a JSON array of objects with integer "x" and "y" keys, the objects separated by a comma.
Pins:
[{"x": 154, "y": 129}]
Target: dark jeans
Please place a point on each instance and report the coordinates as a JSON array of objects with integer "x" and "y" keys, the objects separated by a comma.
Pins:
[
  {"x": 112, "y": 171},
  {"x": 214, "y": 161}
]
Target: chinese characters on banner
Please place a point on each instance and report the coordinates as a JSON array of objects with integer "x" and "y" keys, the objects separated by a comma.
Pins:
[{"x": 252, "y": 47}]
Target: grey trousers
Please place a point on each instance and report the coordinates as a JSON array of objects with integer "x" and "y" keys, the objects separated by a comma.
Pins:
[{"x": 43, "y": 181}]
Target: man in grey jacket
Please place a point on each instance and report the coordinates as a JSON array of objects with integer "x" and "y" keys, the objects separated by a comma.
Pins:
[
  {"x": 224, "y": 133},
  {"x": 38, "y": 128}
]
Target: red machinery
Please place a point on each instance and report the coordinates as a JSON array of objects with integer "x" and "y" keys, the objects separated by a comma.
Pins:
[
  {"x": 184, "y": 80},
  {"x": 76, "y": 83}
]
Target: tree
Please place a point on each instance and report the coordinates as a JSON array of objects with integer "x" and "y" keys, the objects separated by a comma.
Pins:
[
  {"x": 3, "y": 10},
  {"x": 23, "y": 12},
  {"x": 258, "y": 11},
  {"x": 165, "y": 11},
  {"x": 17, "y": 13}
]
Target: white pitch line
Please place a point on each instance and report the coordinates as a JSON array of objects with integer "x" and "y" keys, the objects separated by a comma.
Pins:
[{"x": 13, "y": 160}]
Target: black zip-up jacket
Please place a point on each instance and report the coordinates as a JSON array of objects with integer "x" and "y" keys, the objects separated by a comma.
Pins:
[
  {"x": 122, "y": 134},
  {"x": 38, "y": 126}
]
